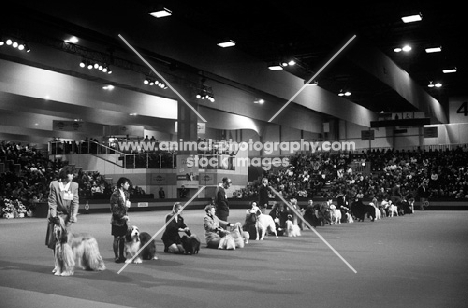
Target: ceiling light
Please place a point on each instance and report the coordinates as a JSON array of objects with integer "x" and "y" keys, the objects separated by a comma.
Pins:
[
  {"x": 9, "y": 42},
  {"x": 163, "y": 12},
  {"x": 292, "y": 62},
  {"x": 433, "y": 49},
  {"x": 313, "y": 83},
  {"x": 225, "y": 44},
  {"x": 133, "y": 114},
  {"x": 397, "y": 49},
  {"x": 275, "y": 67},
  {"x": 412, "y": 18},
  {"x": 406, "y": 48},
  {"x": 259, "y": 101},
  {"x": 72, "y": 39},
  {"x": 347, "y": 93},
  {"x": 431, "y": 84},
  {"x": 449, "y": 70},
  {"x": 108, "y": 87},
  {"x": 438, "y": 84},
  {"x": 15, "y": 44}
]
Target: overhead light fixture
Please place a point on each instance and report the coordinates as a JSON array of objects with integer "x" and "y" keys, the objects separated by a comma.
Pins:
[
  {"x": 161, "y": 12},
  {"x": 259, "y": 101},
  {"x": 344, "y": 93},
  {"x": 275, "y": 67},
  {"x": 108, "y": 87},
  {"x": 228, "y": 43},
  {"x": 438, "y": 84},
  {"x": 412, "y": 18},
  {"x": 430, "y": 85},
  {"x": 449, "y": 70},
  {"x": 152, "y": 81},
  {"x": 72, "y": 39},
  {"x": 313, "y": 83},
  {"x": 433, "y": 49}
]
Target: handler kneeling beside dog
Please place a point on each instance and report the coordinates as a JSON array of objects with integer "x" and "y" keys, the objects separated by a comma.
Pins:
[{"x": 215, "y": 229}]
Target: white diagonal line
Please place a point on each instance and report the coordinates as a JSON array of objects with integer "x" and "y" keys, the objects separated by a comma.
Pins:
[
  {"x": 313, "y": 229},
  {"x": 160, "y": 230},
  {"x": 313, "y": 77},
  {"x": 163, "y": 79}
]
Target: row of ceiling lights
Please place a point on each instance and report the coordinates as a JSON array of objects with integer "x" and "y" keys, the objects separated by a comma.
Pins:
[
  {"x": 435, "y": 49},
  {"x": 90, "y": 64},
  {"x": 15, "y": 44}
]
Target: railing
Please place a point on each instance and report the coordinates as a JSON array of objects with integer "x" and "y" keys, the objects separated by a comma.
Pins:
[
  {"x": 163, "y": 160},
  {"x": 80, "y": 147}
]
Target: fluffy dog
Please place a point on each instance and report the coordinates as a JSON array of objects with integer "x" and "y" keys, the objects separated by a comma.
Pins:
[
  {"x": 335, "y": 214},
  {"x": 292, "y": 230},
  {"x": 134, "y": 240},
  {"x": 392, "y": 210},
  {"x": 240, "y": 237},
  {"x": 263, "y": 223},
  {"x": 348, "y": 218},
  {"x": 75, "y": 249},
  {"x": 191, "y": 244}
]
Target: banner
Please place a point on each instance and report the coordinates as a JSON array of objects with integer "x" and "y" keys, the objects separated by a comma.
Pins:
[{"x": 458, "y": 110}]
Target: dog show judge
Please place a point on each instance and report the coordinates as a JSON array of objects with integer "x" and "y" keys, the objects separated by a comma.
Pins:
[
  {"x": 222, "y": 204},
  {"x": 263, "y": 195}
]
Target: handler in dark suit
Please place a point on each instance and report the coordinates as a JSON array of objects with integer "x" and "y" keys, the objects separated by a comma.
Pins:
[
  {"x": 222, "y": 204},
  {"x": 263, "y": 195},
  {"x": 119, "y": 205}
]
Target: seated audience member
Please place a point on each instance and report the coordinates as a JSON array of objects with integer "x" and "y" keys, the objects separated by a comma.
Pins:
[
  {"x": 214, "y": 228},
  {"x": 310, "y": 214},
  {"x": 171, "y": 238}
]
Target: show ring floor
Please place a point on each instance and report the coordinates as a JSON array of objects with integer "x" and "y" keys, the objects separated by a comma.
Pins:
[{"x": 417, "y": 260}]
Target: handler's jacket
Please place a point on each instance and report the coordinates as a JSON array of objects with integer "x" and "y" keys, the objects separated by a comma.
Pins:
[
  {"x": 118, "y": 208},
  {"x": 57, "y": 203}
]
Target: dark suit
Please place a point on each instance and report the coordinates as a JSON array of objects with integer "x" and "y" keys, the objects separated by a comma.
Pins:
[
  {"x": 222, "y": 204},
  {"x": 263, "y": 197}
]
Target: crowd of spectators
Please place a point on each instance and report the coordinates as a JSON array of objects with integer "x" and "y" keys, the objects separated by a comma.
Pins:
[
  {"x": 372, "y": 173},
  {"x": 26, "y": 173}
]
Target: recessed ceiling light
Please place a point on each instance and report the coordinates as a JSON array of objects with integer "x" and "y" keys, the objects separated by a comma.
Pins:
[
  {"x": 72, "y": 39},
  {"x": 163, "y": 12},
  {"x": 411, "y": 18},
  {"x": 275, "y": 67},
  {"x": 433, "y": 49},
  {"x": 449, "y": 70},
  {"x": 133, "y": 114},
  {"x": 225, "y": 44}
]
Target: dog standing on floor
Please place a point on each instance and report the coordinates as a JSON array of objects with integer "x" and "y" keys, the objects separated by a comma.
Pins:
[
  {"x": 75, "y": 249},
  {"x": 263, "y": 223},
  {"x": 292, "y": 230},
  {"x": 134, "y": 240},
  {"x": 335, "y": 214}
]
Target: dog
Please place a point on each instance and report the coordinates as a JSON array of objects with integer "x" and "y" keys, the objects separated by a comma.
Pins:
[
  {"x": 191, "y": 244},
  {"x": 348, "y": 218},
  {"x": 264, "y": 222},
  {"x": 240, "y": 236},
  {"x": 75, "y": 249},
  {"x": 377, "y": 211},
  {"x": 335, "y": 214},
  {"x": 392, "y": 210},
  {"x": 134, "y": 241},
  {"x": 292, "y": 230}
]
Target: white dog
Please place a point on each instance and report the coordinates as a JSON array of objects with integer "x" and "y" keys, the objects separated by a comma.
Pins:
[
  {"x": 291, "y": 229},
  {"x": 335, "y": 215},
  {"x": 392, "y": 210},
  {"x": 347, "y": 214},
  {"x": 264, "y": 222},
  {"x": 377, "y": 211}
]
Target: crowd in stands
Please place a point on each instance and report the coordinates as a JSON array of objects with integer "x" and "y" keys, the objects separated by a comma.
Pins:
[
  {"x": 373, "y": 173},
  {"x": 25, "y": 175}
]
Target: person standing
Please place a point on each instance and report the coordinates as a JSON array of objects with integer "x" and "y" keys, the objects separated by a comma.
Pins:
[
  {"x": 222, "y": 204},
  {"x": 263, "y": 195},
  {"x": 63, "y": 201},
  {"x": 162, "y": 194},
  {"x": 119, "y": 205},
  {"x": 423, "y": 193}
]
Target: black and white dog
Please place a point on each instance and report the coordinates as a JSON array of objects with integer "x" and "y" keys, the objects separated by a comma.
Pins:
[{"x": 134, "y": 241}]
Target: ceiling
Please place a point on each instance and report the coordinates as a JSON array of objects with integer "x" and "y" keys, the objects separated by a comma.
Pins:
[{"x": 269, "y": 31}]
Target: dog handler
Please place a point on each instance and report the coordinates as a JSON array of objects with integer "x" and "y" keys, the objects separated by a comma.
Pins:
[
  {"x": 213, "y": 226},
  {"x": 63, "y": 200},
  {"x": 119, "y": 205}
]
